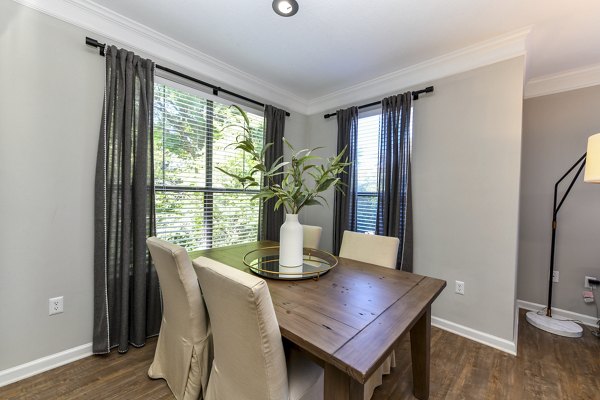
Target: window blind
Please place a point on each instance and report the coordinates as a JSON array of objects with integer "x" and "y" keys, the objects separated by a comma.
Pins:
[
  {"x": 197, "y": 206},
  {"x": 367, "y": 164}
]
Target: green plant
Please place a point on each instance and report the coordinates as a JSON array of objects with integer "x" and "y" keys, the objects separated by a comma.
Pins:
[{"x": 302, "y": 179}]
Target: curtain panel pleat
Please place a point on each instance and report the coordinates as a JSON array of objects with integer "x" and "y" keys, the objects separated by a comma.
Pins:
[
  {"x": 394, "y": 199},
  {"x": 127, "y": 306},
  {"x": 344, "y": 217},
  {"x": 271, "y": 219}
]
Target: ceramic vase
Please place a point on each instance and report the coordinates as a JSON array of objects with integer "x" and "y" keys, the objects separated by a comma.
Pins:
[{"x": 291, "y": 242}]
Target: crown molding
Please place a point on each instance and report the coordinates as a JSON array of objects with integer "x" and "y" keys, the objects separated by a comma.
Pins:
[
  {"x": 500, "y": 48},
  {"x": 563, "y": 81},
  {"x": 113, "y": 26}
]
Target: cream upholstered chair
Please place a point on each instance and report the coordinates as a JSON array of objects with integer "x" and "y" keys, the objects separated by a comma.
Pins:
[
  {"x": 250, "y": 362},
  {"x": 311, "y": 236},
  {"x": 184, "y": 349},
  {"x": 372, "y": 249},
  {"x": 378, "y": 250}
]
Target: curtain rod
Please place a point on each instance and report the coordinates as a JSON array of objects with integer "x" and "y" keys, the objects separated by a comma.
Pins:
[
  {"x": 415, "y": 95},
  {"x": 215, "y": 89}
]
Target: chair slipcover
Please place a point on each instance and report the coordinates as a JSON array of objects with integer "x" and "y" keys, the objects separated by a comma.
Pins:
[
  {"x": 183, "y": 352},
  {"x": 250, "y": 361},
  {"x": 378, "y": 250},
  {"x": 372, "y": 249},
  {"x": 311, "y": 236}
]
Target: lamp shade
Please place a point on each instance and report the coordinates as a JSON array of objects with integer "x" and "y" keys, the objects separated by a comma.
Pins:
[{"x": 592, "y": 163}]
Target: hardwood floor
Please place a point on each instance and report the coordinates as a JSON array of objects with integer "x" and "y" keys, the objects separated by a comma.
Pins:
[{"x": 547, "y": 367}]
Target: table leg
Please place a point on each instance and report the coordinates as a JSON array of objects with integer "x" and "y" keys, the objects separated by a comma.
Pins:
[
  {"x": 340, "y": 386},
  {"x": 420, "y": 338}
]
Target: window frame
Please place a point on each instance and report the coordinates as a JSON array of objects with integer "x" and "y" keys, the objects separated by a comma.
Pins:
[
  {"x": 208, "y": 190},
  {"x": 370, "y": 112}
]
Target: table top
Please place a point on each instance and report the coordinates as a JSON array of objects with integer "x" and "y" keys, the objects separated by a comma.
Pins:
[{"x": 350, "y": 317}]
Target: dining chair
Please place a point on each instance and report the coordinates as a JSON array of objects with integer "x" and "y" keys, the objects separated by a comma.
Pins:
[
  {"x": 378, "y": 250},
  {"x": 311, "y": 236},
  {"x": 184, "y": 350},
  {"x": 250, "y": 361},
  {"x": 372, "y": 249}
]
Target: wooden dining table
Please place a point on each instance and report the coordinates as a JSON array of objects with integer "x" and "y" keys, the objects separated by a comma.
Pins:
[{"x": 350, "y": 319}]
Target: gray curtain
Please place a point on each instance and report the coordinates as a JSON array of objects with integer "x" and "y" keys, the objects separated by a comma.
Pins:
[
  {"x": 127, "y": 306},
  {"x": 344, "y": 217},
  {"x": 271, "y": 220},
  {"x": 394, "y": 204}
]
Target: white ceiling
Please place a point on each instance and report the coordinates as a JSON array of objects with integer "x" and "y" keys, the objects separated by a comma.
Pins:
[{"x": 332, "y": 45}]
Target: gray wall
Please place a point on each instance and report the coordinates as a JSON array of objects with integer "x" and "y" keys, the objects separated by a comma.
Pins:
[
  {"x": 322, "y": 133},
  {"x": 466, "y": 170},
  {"x": 50, "y": 106},
  {"x": 555, "y": 132}
]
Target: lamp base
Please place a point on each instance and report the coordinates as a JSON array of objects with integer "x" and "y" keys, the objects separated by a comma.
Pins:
[{"x": 553, "y": 325}]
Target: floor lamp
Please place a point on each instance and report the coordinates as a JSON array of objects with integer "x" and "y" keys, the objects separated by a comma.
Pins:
[{"x": 591, "y": 175}]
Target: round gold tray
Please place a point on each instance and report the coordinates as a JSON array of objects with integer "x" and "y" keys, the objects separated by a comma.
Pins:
[{"x": 265, "y": 262}]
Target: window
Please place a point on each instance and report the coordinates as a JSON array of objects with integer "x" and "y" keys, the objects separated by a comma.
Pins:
[
  {"x": 367, "y": 160},
  {"x": 197, "y": 206},
  {"x": 366, "y": 165}
]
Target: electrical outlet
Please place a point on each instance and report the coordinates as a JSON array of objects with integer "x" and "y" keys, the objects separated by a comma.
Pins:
[
  {"x": 555, "y": 276},
  {"x": 587, "y": 284},
  {"x": 460, "y": 287},
  {"x": 55, "y": 305}
]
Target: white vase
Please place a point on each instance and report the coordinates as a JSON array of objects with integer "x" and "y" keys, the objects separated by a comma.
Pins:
[{"x": 290, "y": 242}]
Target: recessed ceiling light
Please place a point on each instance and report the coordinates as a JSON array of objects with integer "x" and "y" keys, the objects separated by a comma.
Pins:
[{"x": 285, "y": 8}]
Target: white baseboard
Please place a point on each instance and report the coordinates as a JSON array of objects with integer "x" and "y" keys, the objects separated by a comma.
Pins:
[
  {"x": 478, "y": 336},
  {"x": 584, "y": 319},
  {"x": 35, "y": 367}
]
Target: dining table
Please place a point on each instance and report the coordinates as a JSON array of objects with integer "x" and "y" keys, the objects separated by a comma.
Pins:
[{"x": 351, "y": 318}]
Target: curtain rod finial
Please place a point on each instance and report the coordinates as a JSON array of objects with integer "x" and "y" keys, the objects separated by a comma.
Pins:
[{"x": 94, "y": 43}]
